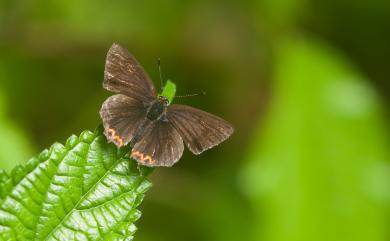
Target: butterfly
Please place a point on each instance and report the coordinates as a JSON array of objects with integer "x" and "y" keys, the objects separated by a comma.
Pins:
[{"x": 138, "y": 116}]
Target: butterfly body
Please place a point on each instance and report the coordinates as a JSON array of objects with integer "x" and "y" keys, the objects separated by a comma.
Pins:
[
  {"x": 157, "y": 109},
  {"x": 155, "y": 112},
  {"x": 136, "y": 115}
]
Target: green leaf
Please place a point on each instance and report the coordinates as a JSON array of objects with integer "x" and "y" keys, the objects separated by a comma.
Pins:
[
  {"x": 319, "y": 166},
  {"x": 85, "y": 190},
  {"x": 169, "y": 91}
]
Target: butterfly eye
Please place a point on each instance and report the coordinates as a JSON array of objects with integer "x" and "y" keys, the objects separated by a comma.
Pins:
[{"x": 163, "y": 100}]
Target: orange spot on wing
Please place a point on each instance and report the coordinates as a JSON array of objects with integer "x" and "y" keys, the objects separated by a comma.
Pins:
[
  {"x": 143, "y": 158},
  {"x": 115, "y": 137}
]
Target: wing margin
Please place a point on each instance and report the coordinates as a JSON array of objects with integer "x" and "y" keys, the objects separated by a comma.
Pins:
[{"x": 200, "y": 130}]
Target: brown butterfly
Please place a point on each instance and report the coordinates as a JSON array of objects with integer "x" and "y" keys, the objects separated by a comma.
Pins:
[{"x": 136, "y": 115}]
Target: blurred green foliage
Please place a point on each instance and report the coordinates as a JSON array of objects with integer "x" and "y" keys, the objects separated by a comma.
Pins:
[
  {"x": 51, "y": 70},
  {"x": 320, "y": 173},
  {"x": 14, "y": 143}
]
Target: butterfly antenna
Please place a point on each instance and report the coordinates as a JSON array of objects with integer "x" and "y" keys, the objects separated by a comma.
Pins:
[
  {"x": 159, "y": 70},
  {"x": 190, "y": 95}
]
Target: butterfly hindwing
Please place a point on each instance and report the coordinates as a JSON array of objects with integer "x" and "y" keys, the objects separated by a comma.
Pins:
[
  {"x": 123, "y": 74},
  {"x": 121, "y": 117},
  {"x": 200, "y": 130},
  {"x": 160, "y": 145}
]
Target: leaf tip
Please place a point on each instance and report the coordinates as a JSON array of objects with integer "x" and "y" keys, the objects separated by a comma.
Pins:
[
  {"x": 144, "y": 186},
  {"x": 87, "y": 136},
  {"x": 71, "y": 142},
  {"x": 32, "y": 163},
  {"x": 3, "y": 175},
  {"x": 18, "y": 173},
  {"x": 44, "y": 155},
  {"x": 57, "y": 150}
]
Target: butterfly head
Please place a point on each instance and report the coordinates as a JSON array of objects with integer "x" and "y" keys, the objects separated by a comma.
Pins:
[{"x": 164, "y": 100}]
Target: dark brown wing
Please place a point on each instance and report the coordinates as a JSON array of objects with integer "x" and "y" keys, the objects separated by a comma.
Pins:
[
  {"x": 161, "y": 145},
  {"x": 121, "y": 117},
  {"x": 200, "y": 130},
  {"x": 124, "y": 75}
]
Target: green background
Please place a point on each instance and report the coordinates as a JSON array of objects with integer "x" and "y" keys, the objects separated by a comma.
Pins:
[{"x": 305, "y": 84}]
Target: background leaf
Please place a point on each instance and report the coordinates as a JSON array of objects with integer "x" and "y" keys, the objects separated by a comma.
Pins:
[
  {"x": 85, "y": 190},
  {"x": 14, "y": 143},
  {"x": 319, "y": 168}
]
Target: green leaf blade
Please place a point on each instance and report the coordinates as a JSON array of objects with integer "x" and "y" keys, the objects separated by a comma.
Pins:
[{"x": 85, "y": 190}]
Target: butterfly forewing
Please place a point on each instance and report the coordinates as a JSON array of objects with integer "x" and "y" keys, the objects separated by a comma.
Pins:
[
  {"x": 161, "y": 145},
  {"x": 123, "y": 74},
  {"x": 200, "y": 130},
  {"x": 122, "y": 115}
]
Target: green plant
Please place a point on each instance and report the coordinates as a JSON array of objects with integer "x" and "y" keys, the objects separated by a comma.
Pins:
[{"x": 86, "y": 189}]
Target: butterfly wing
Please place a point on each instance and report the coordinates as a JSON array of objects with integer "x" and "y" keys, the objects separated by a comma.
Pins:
[
  {"x": 124, "y": 75},
  {"x": 121, "y": 117},
  {"x": 161, "y": 145},
  {"x": 200, "y": 130}
]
